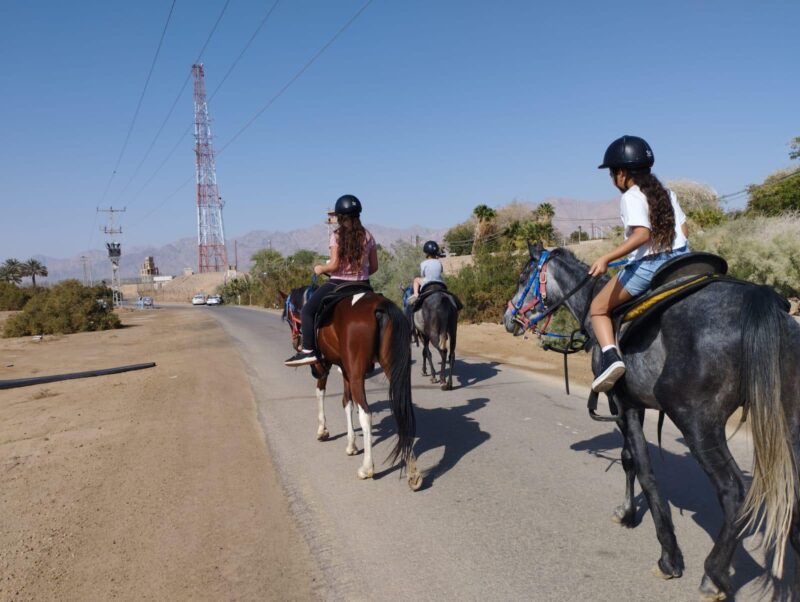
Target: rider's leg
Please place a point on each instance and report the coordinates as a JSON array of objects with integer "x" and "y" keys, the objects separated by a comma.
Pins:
[
  {"x": 612, "y": 367},
  {"x": 610, "y": 296},
  {"x": 415, "y": 286},
  {"x": 310, "y": 307}
]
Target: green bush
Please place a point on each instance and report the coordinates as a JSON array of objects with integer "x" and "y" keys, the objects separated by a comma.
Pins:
[
  {"x": 779, "y": 193},
  {"x": 67, "y": 307},
  {"x": 764, "y": 250},
  {"x": 486, "y": 286},
  {"x": 13, "y": 297},
  {"x": 458, "y": 239}
]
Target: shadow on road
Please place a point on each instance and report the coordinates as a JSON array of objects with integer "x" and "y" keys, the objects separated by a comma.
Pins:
[
  {"x": 685, "y": 486},
  {"x": 451, "y": 428},
  {"x": 474, "y": 372}
]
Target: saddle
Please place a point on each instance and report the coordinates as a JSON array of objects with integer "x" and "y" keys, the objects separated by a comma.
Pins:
[
  {"x": 435, "y": 287},
  {"x": 329, "y": 302},
  {"x": 676, "y": 279}
]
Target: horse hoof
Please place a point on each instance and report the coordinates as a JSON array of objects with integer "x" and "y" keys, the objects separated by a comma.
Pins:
[
  {"x": 624, "y": 518},
  {"x": 659, "y": 572},
  {"x": 415, "y": 481},
  {"x": 447, "y": 387},
  {"x": 365, "y": 474},
  {"x": 710, "y": 592},
  {"x": 323, "y": 435}
]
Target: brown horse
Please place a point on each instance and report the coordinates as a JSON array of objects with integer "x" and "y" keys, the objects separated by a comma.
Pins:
[{"x": 364, "y": 329}]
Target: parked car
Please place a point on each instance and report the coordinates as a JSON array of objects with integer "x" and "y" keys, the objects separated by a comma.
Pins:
[
  {"x": 147, "y": 302},
  {"x": 199, "y": 299},
  {"x": 214, "y": 300}
]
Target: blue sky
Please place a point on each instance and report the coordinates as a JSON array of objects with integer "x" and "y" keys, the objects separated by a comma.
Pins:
[{"x": 422, "y": 109}]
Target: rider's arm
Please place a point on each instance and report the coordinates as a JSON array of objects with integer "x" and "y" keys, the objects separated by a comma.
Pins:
[
  {"x": 332, "y": 265},
  {"x": 640, "y": 235}
]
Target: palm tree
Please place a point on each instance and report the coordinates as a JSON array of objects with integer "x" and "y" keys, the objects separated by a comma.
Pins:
[
  {"x": 34, "y": 268},
  {"x": 12, "y": 271},
  {"x": 485, "y": 215},
  {"x": 545, "y": 212}
]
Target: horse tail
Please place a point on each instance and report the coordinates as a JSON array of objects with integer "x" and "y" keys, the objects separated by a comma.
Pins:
[
  {"x": 395, "y": 356},
  {"x": 774, "y": 490}
]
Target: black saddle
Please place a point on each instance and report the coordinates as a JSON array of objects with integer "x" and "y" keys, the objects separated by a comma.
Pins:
[
  {"x": 435, "y": 287},
  {"x": 341, "y": 292},
  {"x": 677, "y": 278}
]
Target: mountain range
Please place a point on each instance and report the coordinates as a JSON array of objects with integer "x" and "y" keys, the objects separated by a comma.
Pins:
[{"x": 174, "y": 257}]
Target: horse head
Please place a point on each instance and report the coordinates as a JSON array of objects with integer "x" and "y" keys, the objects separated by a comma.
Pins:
[{"x": 523, "y": 304}]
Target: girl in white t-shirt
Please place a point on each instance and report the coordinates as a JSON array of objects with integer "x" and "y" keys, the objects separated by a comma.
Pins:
[{"x": 655, "y": 231}]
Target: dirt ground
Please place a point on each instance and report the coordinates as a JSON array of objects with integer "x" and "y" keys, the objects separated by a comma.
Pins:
[
  {"x": 148, "y": 485},
  {"x": 492, "y": 342}
]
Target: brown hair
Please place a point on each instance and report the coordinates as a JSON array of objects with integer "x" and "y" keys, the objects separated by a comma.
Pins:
[
  {"x": 662, "y": 216},
  {"x": 350, "y": 237}
]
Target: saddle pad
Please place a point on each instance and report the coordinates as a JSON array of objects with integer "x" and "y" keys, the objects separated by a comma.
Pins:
[{"x": 329, "y": 302}]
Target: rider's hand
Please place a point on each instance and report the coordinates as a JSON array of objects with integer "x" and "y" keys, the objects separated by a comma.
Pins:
[
  {"x": 599, "y": 267},
  {"x": 318, "y": 270}
]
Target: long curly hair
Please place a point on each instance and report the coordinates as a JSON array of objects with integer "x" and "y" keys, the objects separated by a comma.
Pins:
[
  {"x": 350, "y": 237},
  {"x": 662, "y": 216}
]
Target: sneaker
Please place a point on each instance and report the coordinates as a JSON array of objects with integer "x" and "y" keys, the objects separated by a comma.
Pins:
[
  {"x": 301, "y": 358},
  {"x": 611, "y": 369}
]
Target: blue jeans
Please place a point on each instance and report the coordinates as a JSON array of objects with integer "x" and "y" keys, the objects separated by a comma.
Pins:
[{"x": 636, "y": 276}]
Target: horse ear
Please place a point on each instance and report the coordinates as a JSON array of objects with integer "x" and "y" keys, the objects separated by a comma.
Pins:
[
  {"x": 283, "y": 295},
  {"x": 534, "y": 250}
]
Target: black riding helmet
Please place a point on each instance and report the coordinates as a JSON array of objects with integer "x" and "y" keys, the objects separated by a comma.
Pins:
[
  {"x": 629, "y": 152},
  {"x": 347, "y": 205},
  {"x": 431, "y": 248}
]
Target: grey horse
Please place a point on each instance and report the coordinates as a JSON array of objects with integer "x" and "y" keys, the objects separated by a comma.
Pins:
[
  {"x": 726, "y": 346},
  {"x": 436, "y": 322}
]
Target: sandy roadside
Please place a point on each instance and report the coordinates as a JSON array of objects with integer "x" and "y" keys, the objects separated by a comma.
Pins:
[{"x": 150, "y": 485}]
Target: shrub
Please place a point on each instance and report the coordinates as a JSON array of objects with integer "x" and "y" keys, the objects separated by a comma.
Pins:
[
  {"x": 13, "y": 297},
  {"x": 486, "y": 286},
  {"x": 66, "y": 308},
  {"x": 458, "y": 239},
  {"x": 764, "y": 250},
  {"x": 779, "y": 193}
]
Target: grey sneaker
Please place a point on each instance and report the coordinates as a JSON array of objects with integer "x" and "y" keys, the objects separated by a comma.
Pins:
[{"x": 611, "y": 369}]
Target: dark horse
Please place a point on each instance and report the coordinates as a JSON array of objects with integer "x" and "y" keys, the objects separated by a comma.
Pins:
[
  {"x": 363, "y": 329},
  {"x": 725, "y": 346},
  {"x": 436, "y": 321}
]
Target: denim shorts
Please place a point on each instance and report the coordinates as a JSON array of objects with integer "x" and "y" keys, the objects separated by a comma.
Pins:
[{"x": 636, "y": 276}]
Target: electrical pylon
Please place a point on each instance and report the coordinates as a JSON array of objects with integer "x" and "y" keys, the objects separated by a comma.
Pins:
[
  {"x": 114, "y": 252},
  {"x": 211, "y": 252}
]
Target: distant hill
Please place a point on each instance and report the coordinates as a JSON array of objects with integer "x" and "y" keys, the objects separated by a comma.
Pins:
[{"x": 172, "y": 258}]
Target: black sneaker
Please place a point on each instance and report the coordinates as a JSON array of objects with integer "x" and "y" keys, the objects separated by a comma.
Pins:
[
  {"x": 301, "y": 358},
  {"x": 611, "y": 369}
]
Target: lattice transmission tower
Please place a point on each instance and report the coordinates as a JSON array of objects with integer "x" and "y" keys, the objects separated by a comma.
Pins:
[{"x": 212, "y": 256}]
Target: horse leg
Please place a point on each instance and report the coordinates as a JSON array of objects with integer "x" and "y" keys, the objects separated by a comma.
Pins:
[
  {"x": 451, "y": 358},
  {"x": 322, "y": 429},
  {"x": 365, "y": 419},
  {"x": 671, "y": 562},
  {"x": 426, "y": 354},
  {"x": 347, "y": 402},
  {"x": 443, "y": 371},
  {"x": 708, "y": 444},
  {"x": 625, "y": 513}
]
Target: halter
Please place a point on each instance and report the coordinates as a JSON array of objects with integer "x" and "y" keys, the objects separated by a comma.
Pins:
[{"x": 538, "y": 281}]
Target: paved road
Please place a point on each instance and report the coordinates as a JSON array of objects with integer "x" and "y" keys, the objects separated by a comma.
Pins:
[{"x": 519, "y": 489}]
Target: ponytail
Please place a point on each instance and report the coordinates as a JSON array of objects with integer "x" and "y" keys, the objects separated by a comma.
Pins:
[{"x": 662, "y": 216}]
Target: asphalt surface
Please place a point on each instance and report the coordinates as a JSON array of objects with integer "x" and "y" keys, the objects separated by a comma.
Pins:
[{"x": 519, "y": 488}]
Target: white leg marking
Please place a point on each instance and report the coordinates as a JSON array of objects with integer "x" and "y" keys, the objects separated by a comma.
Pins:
[
  {"x": 367, "y": 467},
  {"x": 322, "y": 429},
  {"x": 351, "y": 450}
]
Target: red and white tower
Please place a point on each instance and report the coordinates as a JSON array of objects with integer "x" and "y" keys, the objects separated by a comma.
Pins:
[{"x": 212, "y": 256}]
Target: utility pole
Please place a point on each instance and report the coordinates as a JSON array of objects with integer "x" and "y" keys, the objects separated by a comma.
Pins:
[
  {"x": 580, "y": 234},
  {"x": 212, "y": 255},
  {"x": 84, "y": 263},
  {"x": 114, "y": 248}
]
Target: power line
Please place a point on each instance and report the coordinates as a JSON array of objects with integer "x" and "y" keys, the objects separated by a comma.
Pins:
[
  {"x": 139, "y": 104},
  {"x": 271, "y": 101},
  {"x": 189, "y": 127},
  {"x": 174, "y": 103}
]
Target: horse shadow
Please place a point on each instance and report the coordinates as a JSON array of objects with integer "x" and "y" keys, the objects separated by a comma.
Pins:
[
  {"x": 683, "y": 484},
  {"x": 471, "y": 373},
  {"x": 451, "y": 428}
]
